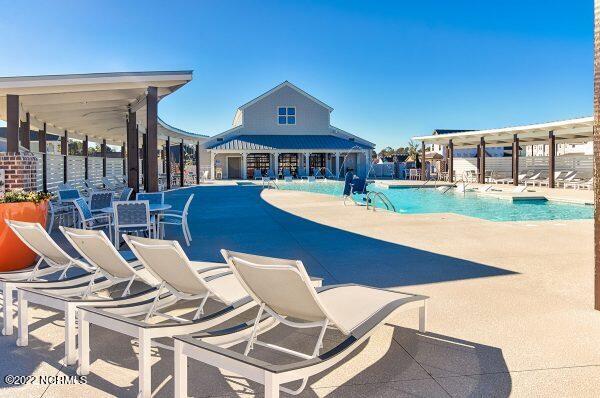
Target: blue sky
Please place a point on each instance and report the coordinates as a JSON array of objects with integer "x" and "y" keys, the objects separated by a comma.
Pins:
[{"x": 391, "y": 70}]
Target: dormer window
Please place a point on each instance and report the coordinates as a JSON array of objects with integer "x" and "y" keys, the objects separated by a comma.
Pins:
[{"x": 286, "y": 115}]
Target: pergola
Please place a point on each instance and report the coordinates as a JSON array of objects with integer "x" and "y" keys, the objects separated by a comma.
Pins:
[
  {"x": 111, "y": 108},
  {"x": 551, "y": 133}
]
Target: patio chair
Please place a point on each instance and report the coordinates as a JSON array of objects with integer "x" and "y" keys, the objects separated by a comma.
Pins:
[
  {"x": 546, "y": 181},
  {"x": 531, "y": 180},
  {"x": 568, "y": 179},
  {"x": 287, "y": 175},
  {"x": 257, "y": 174},
  {"x": 110, "y": 284},
  {"x": 284, "y": 293},
  {"x": 53, "y": 264},
  {"x": 57, "y": 210},
  {"x": 65, "y": 186},
  {"x": 302, "y": 174},
  {"x": 125, "y": 194},
  {"x": 109, "y": 184},
  {"x": 91, "y": 186},
  {"x": 68, "y": 195},
  {"x": 87, "y": 219},
  {"x": 586, "y": 184},
  {"x": 207, "y": 283},
  {"x": 132, "y": 217},
  {"x": 100, "y": 200},
  {"x": 270, "y": 175},
  {"x": 119, "y": 182},
  {"x": 329, "y": 175},
  {"x": 177, "y": 217},
  {"x": 317, "y": 174}
]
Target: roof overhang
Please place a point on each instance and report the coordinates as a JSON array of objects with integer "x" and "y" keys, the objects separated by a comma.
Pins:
[
  {"x": 93, "y": 104},
  {"x": 572, "y": 130}
]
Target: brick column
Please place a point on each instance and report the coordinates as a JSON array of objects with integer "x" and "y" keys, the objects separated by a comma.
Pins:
[{"x": 19, "y": 170}]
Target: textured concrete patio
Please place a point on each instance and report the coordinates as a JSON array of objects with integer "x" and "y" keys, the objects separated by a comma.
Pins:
[{"x": 510, "y": 312}]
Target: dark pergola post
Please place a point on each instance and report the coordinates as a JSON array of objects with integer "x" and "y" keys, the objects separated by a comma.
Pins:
[
  {"x": 450, "y": 161},
  {"x": 12, "y": 123},
  {"x": 482, "y": 160},
  {"x": 86, "y": 145},
  {"x": 152, "y": 139},
  {"x": 478, "y": 160},
  {"x": 181, "y": 164},
  {"x": 103, "y": 154},
  {"x": 551, "y": 158},
  {"x": 197, "y": 163},
  {"x": 42, "y": 150},
  {"x": 64, "y": 150},
  {"x": 123, "y": 160},
  {"x": 133, "y": 172},
  {"x": 168, "y": 162},
  {"x": 145, "y": 161},
  {"x": 515, "y": 160},
  {"x": 25, "y": 132},
  {"x": 423, "y": 165}
]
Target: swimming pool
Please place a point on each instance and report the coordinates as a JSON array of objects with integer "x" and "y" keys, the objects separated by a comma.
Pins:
[{"x": 428, "y": 200}]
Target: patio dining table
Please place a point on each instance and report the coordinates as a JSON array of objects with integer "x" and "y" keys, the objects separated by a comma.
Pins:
[{"x": 154, "y": 208}]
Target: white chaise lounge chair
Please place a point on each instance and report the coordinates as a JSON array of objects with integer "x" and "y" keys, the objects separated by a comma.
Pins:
[
  {"x": 208, "y": 283},
  {"x": 50, "y": 269},
  {"x": 112, "y": 274},
  {"x": 284, "y": 292}
]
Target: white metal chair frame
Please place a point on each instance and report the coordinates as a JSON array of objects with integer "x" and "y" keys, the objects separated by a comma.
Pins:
[
  {"x": 145, "y": 226},
  {"x": 177, "y": 215}
]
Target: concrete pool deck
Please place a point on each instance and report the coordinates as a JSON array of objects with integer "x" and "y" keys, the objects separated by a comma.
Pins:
[{"x": 511, "y": 308}]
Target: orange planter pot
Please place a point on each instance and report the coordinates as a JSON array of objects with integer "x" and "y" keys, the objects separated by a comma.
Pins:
[{"x": 14, "y": 254}]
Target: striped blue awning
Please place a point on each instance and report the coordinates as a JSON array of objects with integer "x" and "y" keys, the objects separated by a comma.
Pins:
[{"x": 287, "y": 142}]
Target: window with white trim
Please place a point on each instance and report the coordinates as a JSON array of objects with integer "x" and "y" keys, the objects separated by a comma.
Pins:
[{"x": 286, "y": 115}]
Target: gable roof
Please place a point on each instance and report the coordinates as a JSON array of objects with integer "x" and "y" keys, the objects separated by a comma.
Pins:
[
  {"x": 280, "y": 86},
  {"x": 294, "y": 142}
]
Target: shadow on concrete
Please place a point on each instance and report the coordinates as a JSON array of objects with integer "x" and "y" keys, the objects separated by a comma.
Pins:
[{"x": 236, "y": 218}]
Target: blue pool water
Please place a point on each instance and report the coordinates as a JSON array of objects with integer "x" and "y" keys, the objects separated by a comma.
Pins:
[{"x": 428, "y": 200}]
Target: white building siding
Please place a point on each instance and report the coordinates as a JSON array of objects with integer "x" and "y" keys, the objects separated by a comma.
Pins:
[{"x": 261, "y": 117}]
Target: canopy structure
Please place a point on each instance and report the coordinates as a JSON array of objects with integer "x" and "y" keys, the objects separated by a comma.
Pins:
[
  {"x": 550, "y": 133},
  {"x": 110, "y": 108},
  {"x": 93, "y": 104},
  {"x": 572, "y": 130}
]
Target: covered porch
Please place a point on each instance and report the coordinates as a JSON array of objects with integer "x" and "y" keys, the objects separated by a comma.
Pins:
[{"x": 100, "y": 125}]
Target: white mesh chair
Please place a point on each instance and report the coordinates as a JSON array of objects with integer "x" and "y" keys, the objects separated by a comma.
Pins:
[
  {"x": 284, "y": 292},
  {"x": 125, "y": 194},
  {"x": 178, "y": 218},
  {"x": 50, "y": 269},
  {"x": 89, "y": 220},
  {"x": 110, "y": 284},
  {"x": 132, "y": 217},
  {"x": 58, "y": 210}
]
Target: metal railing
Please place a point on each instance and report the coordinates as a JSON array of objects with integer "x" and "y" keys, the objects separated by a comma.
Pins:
[{"x": 372, "y": 195}]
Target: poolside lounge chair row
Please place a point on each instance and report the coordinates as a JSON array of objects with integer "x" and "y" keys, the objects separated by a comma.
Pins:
[
  {"x": 287, "y": 174},
  {"x": 128, "y": 293}
]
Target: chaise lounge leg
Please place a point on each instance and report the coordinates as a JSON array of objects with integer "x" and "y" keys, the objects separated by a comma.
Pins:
[
  {"x": 181, "y": 375},
  {"x": 70, "y": 335},
  {"x": 84, "y": 345},
  {"x": 271, "y": 386},
  {"x": 8, "y": 309},
  {"x": 422, "y": 318},
  {"x": 23, "y": 336},
  {"x": 145, "y": 367}
]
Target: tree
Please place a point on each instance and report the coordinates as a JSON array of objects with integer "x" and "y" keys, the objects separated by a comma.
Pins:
[
  {"x": 596, "y": 154},
  {"x": 412, "y": 150},
  {"x": 386, "y": 152}
]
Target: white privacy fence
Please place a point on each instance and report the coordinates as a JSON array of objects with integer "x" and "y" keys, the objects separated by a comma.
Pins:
[
  {"x": 75, "y": 169},
  {"x": 382, "y": 170},
  {"x": 503, "y": 166}
]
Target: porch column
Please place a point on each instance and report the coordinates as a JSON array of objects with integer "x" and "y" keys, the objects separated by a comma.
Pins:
[
  {"x": 515, "y": 159},
  {"x": 123, "y": 159},
  {"x": 337, "y": 164},
  {"x": 197, "y": 162},
  {"x": 168, "y": 162},
  {"x": 181, "y": 164},
  {"x": 85, "y": 147},
  {"x": 276, "y": 164},
  {"x": 450, "y": 161},
  {"x": 12, "y": 123},
  {"x": 244, "y": 165},
  {"x": 423, "y": 165},
  {"x": 25, "y": 132},
  {"x": 42, "y": 150},
  {"x": 151, "y": 174},
  {"x": 551, "y": 158},
  {"x": 145, "y": 161},
  {"x": 478, "y": 160},
  {"x": 133, "y": 164},
  {"x": 212, "y": 165},
  {"x": 307, "y": 163},
  {"x": 64, "y": 150},
  {"x": 367, "y": 162},
  {"x": 103, "y": 154},
  {"x": 482, "y": 160}
]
